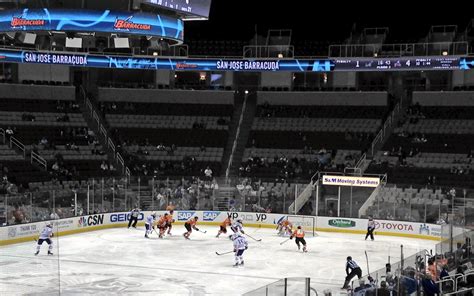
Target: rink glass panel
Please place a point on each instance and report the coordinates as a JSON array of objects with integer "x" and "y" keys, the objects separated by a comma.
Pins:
[{"x": 283, "y": 287}]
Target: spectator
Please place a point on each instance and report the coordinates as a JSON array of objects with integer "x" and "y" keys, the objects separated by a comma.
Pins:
[
  {"x": 55, "y": 167},
  {"x": 429, "y": 286},
  {"x": 208, "y": 173},
  {"x": 54, "y": 215},
  {"x": 9, "y": 131},
  {"x": 104, "y": 167},
  {"x": 383, "y": 290},
  {"x": 43, "y": 141}
]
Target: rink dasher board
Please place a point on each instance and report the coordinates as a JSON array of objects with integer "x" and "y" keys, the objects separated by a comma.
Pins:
[{"x": 27, "y": 232}]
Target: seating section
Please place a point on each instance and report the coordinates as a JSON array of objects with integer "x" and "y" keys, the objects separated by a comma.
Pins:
[
  {"x": 7, "y": 154},
  {"x": 57, "y": 131},
  {"x": 267, "y": 196},
  {"x": 432, "y": 145},
  {"x": 311, "y": 135},
  {"x": 292, "y": 163},
  {"x": 170, "y": 139},
  {"x": 409, "y": 204}
]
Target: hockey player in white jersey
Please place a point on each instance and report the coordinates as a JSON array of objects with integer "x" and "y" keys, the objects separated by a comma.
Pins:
[
  {"x": 240, "y": 245},
  {"x": 45, "y": 236},
  {"x": 150, "y": 224},
  {"x": 238, "y": 226}
]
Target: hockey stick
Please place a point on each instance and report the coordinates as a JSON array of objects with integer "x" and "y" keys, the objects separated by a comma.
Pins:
[
  {"x": 217, "y": 253},
  {"x": 284, "y": 241},
  {"x": 367, "y": 259},
  {"x": 205, "y": 231},
  {"x": 258, "y": 240}
]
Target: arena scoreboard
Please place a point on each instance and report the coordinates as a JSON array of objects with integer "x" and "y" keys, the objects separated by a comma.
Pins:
[{"x": 397, "y": 64}]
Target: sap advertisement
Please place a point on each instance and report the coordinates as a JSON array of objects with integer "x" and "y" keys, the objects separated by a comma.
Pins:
[
  {"x": 148, "y": 63},
  {"x": 91, "y": 21},
  {"x": 195, "y": 7}
]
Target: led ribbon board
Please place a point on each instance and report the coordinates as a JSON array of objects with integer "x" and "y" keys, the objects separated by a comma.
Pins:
[
  {"x": 147, "y": 63},
  {"x": 466, "y": 63},
  {"x": 182, "y": 64},
  {"x": 107, "y": 21}
]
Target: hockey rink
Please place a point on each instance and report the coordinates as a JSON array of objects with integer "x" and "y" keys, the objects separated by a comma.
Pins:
[{"x": 120, "y": 261}]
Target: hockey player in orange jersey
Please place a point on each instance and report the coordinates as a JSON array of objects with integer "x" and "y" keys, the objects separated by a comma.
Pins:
[
  {"x": 299, "y": 234},
  {"x": 223, "y": 226},
  {"x": 190, "y": 225}
]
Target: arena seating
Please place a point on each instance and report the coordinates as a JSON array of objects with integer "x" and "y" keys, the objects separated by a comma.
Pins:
[
  {"x": 57, "y": 131},
  {"x": 170, "y": 138},
  {"x": 266, "y": 196},
  {"x": 432, "y": 145},
  {"x": 410, "y": 204},
  {"x": 307, "y": 137}
]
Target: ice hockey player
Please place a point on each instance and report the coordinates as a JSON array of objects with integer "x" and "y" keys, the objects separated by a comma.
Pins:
[
  {"x": 240, "y": 245},
  {"x": 170, "y": 221},
  {"x": 45, "y": 236},
  {"x": 354, "y": 270},
  {"x": 299, "y": 234},
  {"x": 162, "y": 224},
  {"x": 190, "y": 225},
  {"x": 223, "y": 226},
  {"x": 237, "y": 227},
  {"x": 285, "y": 227},
  {"x": 150, "y": 224},
  {"x": 370, "y": 228},
  {"x": 134, "y": 217}
]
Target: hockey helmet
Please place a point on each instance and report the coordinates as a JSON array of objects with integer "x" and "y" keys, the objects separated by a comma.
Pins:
[
  {"x": 153, "y": 214},
  {"x": 49, "y": 224},
  {"x": 349, "y": 258}
]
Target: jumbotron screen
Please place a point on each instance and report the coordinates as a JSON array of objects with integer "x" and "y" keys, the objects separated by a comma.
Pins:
[{"x": 194, "y": 7}]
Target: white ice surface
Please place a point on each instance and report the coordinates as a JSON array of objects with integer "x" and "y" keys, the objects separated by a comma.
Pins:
[{"x": 121, "y": 261}]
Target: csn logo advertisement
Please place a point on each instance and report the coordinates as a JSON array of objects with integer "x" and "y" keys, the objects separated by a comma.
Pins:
[{"x": 92, "y": 220}]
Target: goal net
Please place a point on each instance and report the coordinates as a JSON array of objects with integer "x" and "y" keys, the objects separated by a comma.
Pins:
[{"x": 308, "y": 223}]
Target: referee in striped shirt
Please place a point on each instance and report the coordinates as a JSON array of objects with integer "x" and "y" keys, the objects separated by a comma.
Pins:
[{"x": 354, "y": 270}]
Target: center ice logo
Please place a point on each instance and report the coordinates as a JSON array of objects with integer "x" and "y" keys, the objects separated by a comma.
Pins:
[{"x": 185, "y": 215}]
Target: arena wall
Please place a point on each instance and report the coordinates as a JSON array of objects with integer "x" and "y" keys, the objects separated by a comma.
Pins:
[
  {"x": 36, "y": 92},
  {"x": 445, "y": 98},
  {"x": 338, "y": 98},
  {"x": 28, "y": 232},
  {"x": 166, "y": 96}
]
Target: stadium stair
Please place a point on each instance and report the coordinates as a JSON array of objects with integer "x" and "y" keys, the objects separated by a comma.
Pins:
[
  {"x": 238, "y": 105},
  {"x": 92, "y": 125},
  {"x": 224, "y": 195},
  {"x": 245, "y": 128}
]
